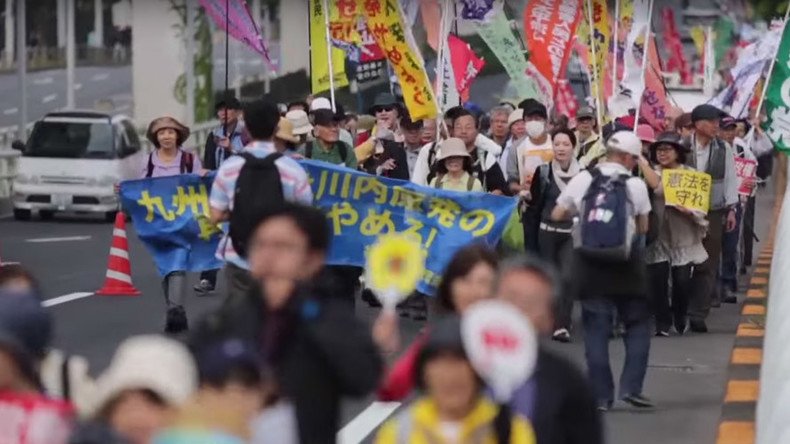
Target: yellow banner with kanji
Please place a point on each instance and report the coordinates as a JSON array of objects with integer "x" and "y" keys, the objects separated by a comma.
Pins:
[
  {"x": 385, "y": 21},
  {"x": 688, "y": 189},
  {"x": 601, "y": 37},
  {"x": 319, "y": 61}
]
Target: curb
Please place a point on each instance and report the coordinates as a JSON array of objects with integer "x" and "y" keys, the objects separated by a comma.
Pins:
[{"x": 739, "y": 407}]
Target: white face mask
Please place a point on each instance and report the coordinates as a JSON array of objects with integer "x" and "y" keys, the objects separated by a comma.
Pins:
[{"x": 535, "y": 128}]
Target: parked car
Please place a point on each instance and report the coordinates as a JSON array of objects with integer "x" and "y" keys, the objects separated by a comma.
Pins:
[{"x": 72, "y": 162}]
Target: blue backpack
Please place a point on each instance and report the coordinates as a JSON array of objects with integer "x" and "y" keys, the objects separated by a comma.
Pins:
[{"x": 606, "y": 231}]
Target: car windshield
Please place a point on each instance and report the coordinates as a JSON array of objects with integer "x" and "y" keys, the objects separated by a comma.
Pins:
[{"x": 72, "y": 140}]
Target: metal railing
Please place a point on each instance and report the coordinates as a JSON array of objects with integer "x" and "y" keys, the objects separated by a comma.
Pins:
[{"x": 774, "y": 401}]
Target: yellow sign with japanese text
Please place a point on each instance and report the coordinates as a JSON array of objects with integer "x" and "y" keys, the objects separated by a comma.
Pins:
[
  {"x": 319, "y": 61},
  {"x": 385, "y": 21},
  {"x": 687, "y": 189}
]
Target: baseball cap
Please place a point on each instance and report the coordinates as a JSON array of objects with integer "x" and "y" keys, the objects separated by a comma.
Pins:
[
  {"x": 727, "y": 122},
  {"x": 324, "y": 117},
  {"x": 218, "y": 359},
  {"x": 25, "y": 330},
  {"x": 626, "y": 142},
  {"x": 706, "y": 112},
  {"x": 532, "y": 107},
  {"x": 585, "y": 112},
  {"x": 320, "y": 103}
]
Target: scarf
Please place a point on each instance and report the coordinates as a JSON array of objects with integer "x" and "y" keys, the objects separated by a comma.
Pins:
[{"x": 563, "y": 177}]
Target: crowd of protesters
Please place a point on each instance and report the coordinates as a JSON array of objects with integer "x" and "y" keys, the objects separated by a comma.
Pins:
[{"x": 275, "y": 361}]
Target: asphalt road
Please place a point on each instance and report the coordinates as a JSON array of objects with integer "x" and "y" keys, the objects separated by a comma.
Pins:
[{"x": 686, "y": 376}]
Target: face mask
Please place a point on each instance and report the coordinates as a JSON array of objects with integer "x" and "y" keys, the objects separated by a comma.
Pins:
[{"x": 535, "y": 128}]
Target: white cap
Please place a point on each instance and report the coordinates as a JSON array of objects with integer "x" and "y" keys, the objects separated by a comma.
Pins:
[
  {"x": 625, "y": 141},
  {"x": 320, "y": 103},
  {"x": 300, "y": 121},
  {"x": 515, "y": 116},
  {"x": 148, "y": 362}
]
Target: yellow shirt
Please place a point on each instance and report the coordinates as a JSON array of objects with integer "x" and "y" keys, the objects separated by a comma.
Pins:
[
  {"x": 461, "y": 184},
  {"x": 426, "y": 427}
]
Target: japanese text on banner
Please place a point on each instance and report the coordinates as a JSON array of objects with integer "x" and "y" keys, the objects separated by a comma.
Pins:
[
  {"x": 687, "y": 189},
  {"x": 549, "y": 27},
  {"x": 385, "y": 22},
  {"x": 746, "y": 170},
  {"x": 319, "y": 59},
  {"x": 361, "y": 207}
]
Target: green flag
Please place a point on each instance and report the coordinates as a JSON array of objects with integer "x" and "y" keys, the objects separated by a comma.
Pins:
[{"x": 777, "y": 101}]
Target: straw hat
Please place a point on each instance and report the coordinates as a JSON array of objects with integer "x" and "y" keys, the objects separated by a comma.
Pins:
[
  {"x": 167, "y": 122},
  {"x": 452, "y": 147},
  {"x": 285, "y": 131},
  {"x": 299, "y": 121}
]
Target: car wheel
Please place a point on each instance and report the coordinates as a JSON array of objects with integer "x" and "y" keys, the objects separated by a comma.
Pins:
[
  {"x": 46, "y": 214},
  {"x": 22, "y": 214},
  {"x": 110, "y": 216}
]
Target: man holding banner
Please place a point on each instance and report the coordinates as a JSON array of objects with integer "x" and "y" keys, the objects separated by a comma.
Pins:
[{"x": 713, "y": 156}]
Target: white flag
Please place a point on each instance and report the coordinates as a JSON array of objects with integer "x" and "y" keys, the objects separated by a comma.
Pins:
[{"x": 634, "y": 79}]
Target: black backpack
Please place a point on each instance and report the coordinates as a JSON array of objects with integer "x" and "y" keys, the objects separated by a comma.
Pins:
[
  {"x": 341, "y": 146},
  {"x": 187, "y": 164},
  {"x": 259, "y": 190}
]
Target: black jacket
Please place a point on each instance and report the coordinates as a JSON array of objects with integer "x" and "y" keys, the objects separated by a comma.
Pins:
[
  {"x": 319, "y": 352},
  {"x": 565, "y": 410},
  {"x": 392, "y": 150}
]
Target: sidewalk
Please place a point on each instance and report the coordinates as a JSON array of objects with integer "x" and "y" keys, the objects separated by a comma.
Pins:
[{"x": 687, "y": 376}]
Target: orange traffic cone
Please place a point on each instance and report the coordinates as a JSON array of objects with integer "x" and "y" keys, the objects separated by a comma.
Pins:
[{"x": 118, "y": 280}]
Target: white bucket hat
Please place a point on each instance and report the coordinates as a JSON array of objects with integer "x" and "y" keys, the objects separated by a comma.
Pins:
[
  {"x": 149, "y": 362},
  {"x": 300, "y": 122},
  {"x": 452, "y": 147},
  {"x": 515, "y": 116}
]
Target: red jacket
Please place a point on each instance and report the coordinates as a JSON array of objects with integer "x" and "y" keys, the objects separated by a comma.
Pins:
[{"x": 399, "y": 381}]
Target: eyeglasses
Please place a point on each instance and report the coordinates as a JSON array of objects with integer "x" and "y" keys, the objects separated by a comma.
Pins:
[{"x": 387, "y": 108}]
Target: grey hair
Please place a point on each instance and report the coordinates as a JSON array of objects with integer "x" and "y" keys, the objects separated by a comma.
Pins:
[
  {"x": 501, "y": 109},
  {"x": 534, "y": 264}
]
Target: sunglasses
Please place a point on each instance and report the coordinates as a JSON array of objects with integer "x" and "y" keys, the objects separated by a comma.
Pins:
[{"x": 387, "y": 108}]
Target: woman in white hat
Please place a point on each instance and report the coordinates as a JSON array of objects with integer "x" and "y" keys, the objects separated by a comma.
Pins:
[
  {"x": 301, "y": 125},
  {"x": 454, "y": 168}
]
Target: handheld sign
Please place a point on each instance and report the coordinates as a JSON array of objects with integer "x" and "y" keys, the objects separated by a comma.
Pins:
[
  {"x": 746, "y": 170},
  {"x": 687, "y": 189},
  {"x": 501, "y": 344},
  {"x": 395, "y": 265}
]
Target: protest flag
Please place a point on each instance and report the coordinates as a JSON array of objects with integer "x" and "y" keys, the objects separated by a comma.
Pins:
[
  {"x": 234, "y": 17},
  {"x": 776, "y": 94},
  {"x": 324, "y": 57}
]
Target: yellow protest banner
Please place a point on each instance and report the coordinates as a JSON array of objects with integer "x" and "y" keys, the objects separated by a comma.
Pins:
[
  {"x": 601, "y": 37},
  {"x": 687, "y": 189},
  {"x": 319, "y": 62},
  {"x": 385, "y": 22}
]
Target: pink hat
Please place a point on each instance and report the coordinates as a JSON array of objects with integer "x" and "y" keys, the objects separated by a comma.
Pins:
[{"x": 645, "y": 133}]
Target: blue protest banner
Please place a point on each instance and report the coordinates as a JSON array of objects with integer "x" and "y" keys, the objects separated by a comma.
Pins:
[{"x": 169, "y": 217}]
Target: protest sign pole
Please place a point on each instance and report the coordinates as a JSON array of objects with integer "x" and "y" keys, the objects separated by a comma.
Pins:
[
  {"x": 440, "y": 64},
  {"x": 594, "y": 87},
  {"x": 616, "y": 46},
  {"x": 645, "y": 49},
  {"x": 329, "y": 55}
]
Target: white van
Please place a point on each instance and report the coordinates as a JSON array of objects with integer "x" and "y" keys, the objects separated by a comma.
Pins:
[{"x": 72, "y": 162}]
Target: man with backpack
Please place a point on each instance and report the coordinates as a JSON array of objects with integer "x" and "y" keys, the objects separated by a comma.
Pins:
[
  {"x": 250, "y": 185},
  {"x": 327, "y": 146},
  {"x": 609, "y": 267}
]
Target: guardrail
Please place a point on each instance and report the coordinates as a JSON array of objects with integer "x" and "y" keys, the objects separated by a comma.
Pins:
[
  {"x": 774, "y": 401},
  {"x": 8, "y": 159}
]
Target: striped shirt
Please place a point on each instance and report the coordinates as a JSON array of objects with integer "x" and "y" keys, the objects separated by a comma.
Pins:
[{"x": 296, "y": 188}]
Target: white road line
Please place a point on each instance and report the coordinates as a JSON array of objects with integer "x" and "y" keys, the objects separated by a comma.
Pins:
[
  {"x": 65, "y": 298},
  {"x": 10, "y": 111},
  {"x": 43, "y": 81},
  {"x": 3, "y": 264},
  {"x": 43, "y": 240},
  {"x": 367, "y": 421},
  {"x": 100, "y": 77},
  {"x": 49, "y": 98}
]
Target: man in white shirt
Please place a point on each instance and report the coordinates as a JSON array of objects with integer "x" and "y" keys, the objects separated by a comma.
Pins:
[
  {"x": 537, "y": 144},
  {"x": 716, "y": 157},
  {"x": 605, "y": 287}
]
